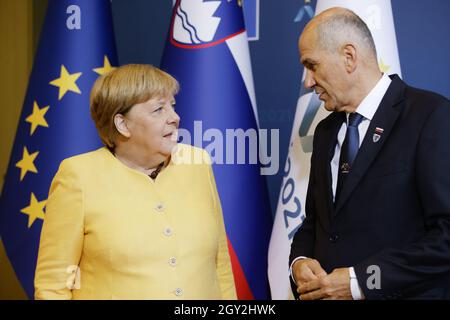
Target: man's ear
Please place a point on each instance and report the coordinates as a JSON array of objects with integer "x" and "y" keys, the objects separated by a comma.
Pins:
[
  {"x": 120, "y": 122},
  {"x": 350, "y": 57}
]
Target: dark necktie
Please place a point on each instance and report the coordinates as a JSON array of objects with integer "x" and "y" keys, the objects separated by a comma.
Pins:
[{"x": 348, "y": 151}]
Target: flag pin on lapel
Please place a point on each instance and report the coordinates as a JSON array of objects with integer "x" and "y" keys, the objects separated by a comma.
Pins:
[
  {"x": 377, "y": 134},
  {"x": 345, "y": 168}
]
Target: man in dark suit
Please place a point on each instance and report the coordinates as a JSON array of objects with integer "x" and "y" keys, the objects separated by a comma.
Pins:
[{"x": 378, "y": 205}]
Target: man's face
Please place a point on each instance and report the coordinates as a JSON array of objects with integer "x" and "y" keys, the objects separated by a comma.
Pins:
[{"x": 325, "y": 72}]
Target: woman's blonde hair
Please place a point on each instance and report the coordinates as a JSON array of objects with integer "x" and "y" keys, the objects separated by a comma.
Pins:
[{"x": 117, "y": 91}]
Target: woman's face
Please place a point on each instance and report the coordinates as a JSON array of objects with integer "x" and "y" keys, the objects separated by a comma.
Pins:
[{"x": 153, "y": 125}]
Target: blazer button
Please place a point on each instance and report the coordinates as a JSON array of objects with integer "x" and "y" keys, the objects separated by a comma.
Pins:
[
  {"x": 173, "y": 261},
  {"x": 334, "y": 238},
  {"x": 178, "y": 292},
  {"x": 168, "y": 232},
  {"x": 159, "y": 207}
]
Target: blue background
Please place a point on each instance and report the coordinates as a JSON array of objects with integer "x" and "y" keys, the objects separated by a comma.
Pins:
[{"x": 422, "y": 29}]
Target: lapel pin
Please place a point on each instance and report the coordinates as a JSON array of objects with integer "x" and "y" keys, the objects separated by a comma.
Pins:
[
  {"x": 377, "y": 134},
  {"x": 345, "y": 168}
]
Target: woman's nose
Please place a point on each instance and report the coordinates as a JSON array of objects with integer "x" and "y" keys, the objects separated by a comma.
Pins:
[{"x": 173, "y": 117}]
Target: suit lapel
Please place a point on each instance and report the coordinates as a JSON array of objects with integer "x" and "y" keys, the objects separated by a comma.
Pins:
[
  {"x": 327, "y": 145},
  {"x": 384, "y": 118}
]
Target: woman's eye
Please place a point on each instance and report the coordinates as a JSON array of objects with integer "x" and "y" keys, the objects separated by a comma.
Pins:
[{"x": 158, "y": 109}]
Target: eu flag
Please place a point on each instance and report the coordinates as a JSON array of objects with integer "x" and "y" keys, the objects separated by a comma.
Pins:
[
  {"x": 207, "y": 52},
  {"x": 76, "y": 46}
]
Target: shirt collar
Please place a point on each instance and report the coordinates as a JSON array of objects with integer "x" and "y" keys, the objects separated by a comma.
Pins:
[{"x": 370, "y": 103}]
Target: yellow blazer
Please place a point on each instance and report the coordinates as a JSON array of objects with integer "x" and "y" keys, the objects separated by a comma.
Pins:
[{"x": 129, "y": 237}]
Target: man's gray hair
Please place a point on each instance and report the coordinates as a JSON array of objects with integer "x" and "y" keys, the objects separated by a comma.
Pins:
[{"x": 342, "y": 26}]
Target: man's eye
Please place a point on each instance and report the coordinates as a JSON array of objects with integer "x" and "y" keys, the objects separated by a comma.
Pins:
[{"x": 310, "y": 66}]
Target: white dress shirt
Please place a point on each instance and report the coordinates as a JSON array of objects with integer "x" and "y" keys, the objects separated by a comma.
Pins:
[{"x": 367, "y": 109}]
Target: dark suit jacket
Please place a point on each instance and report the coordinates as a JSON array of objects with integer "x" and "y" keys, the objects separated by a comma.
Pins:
[{"x": 394, "y": 209}]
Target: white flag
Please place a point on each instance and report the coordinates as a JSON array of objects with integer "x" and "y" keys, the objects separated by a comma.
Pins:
[{"x": 290, "y": 211}]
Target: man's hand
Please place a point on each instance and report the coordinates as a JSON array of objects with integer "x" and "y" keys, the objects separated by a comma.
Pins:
[
  {"x": 334, "y": 286},
  {"x": 306, "y": 270}
]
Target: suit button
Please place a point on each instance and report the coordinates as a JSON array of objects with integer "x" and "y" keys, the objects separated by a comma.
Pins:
[
  {"x": 334, "y": 238},
  {"x": 168, "y": 232}
]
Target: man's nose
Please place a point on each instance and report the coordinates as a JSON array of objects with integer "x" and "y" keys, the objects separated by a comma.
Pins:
[{"x": 309, "y": 79}]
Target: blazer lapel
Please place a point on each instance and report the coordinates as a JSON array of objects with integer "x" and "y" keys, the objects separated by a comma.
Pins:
[
  {"x": 384, "y": 118},
  {"x": 327, "y": 145}
]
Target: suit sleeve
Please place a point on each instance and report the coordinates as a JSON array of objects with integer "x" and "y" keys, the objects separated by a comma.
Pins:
[
  {"x": 303, "y": 242},
  {"x": 223, "y": 261},
  {"x": 417, "y": 266},
  {"x": 61, "y": 237}
]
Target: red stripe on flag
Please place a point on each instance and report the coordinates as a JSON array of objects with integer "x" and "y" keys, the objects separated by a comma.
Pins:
[{"x": 242, "y": 287}]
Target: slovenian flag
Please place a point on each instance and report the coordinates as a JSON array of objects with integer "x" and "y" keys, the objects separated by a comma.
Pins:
[{"x": 207, "y": 52}]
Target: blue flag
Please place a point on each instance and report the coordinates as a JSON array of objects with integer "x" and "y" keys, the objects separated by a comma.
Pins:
[
  {"x": 207, "y": 52},
  {"x": 76, "y": 46}
]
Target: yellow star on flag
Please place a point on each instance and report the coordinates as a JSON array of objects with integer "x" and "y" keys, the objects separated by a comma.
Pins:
[
  {"x": 26, "y": 164},
  {"x": 383, "y": 67},
  {"x": 66, "y": 82},
  {"x": 35, "y": 210},
  {"x": 106, "y": 67},
  {"x": 37, "y": 117}
]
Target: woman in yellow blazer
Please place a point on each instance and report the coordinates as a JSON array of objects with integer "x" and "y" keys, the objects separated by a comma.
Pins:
[{"x": 137, "y": 219}]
